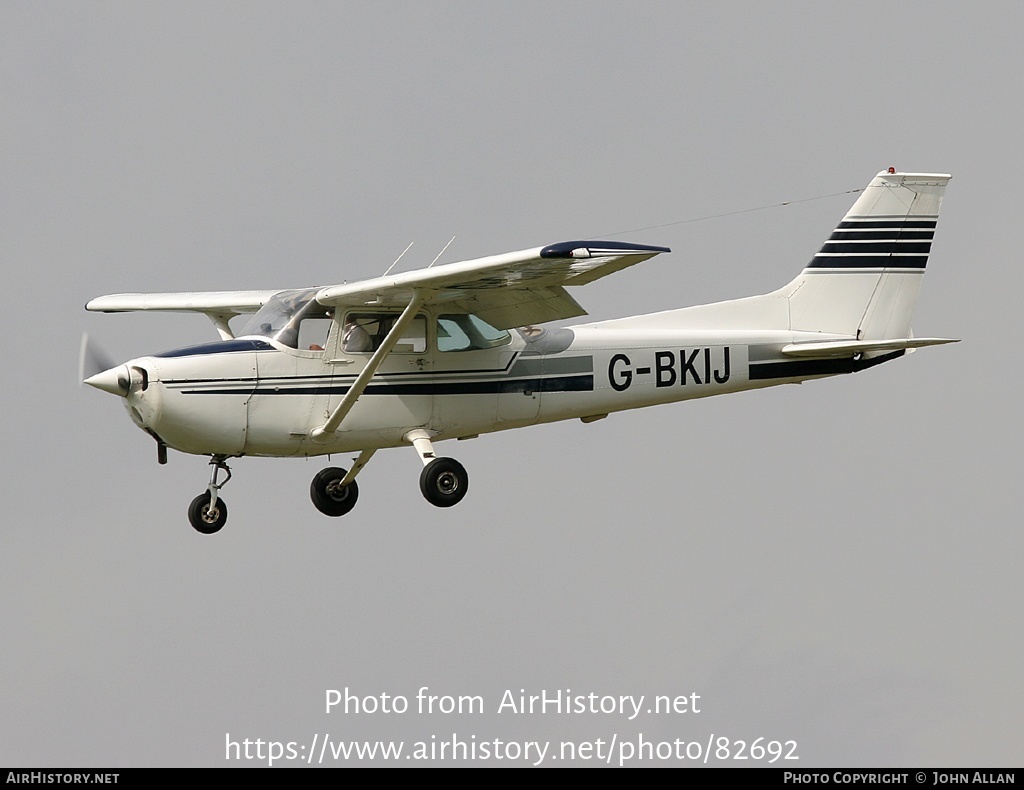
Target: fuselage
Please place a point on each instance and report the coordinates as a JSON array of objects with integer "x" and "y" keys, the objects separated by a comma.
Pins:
[
  {"x": 421, "y": 356},
  {"x": 257, "y": 396}
]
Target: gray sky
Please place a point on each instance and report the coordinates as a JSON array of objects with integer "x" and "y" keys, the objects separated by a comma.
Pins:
[{"x": 835, "y": 564}]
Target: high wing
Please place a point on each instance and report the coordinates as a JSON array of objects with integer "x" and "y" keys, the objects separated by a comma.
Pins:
[
  {"x": 508, "y": 290},
  {"x": 219, "y": 306},
  {"x": 229, "y": 303}
]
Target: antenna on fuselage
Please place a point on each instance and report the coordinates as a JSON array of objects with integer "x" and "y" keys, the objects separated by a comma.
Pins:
[
  {"x": 446, "y": 246},
  {"x": 392, "y": 266}
]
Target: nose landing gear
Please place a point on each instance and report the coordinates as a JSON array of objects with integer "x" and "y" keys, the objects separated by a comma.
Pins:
[{"x": 208, "y": 512}]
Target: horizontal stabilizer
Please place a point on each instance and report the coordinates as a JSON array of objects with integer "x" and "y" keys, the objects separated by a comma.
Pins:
[{"x": 847, "y": 348}]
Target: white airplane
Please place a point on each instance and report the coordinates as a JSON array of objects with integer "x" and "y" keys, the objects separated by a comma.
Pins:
[{"x": 457, "y": 350}]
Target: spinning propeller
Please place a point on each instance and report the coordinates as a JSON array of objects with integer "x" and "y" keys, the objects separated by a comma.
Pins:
[{"x": 97, "y": 369}]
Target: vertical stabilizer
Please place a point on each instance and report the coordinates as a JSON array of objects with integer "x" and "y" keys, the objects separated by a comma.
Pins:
[{"x": 864, "y": 280}]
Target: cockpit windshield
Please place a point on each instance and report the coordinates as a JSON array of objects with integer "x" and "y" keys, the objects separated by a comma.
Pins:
[{"x": 290, "y": 314}]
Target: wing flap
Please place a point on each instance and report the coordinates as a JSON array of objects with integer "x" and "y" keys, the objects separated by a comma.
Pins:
[{"x": 523, "y": 306}]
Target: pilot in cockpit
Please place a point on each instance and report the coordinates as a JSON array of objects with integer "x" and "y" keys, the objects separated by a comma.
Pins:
[{"x": 355, "y": 339}]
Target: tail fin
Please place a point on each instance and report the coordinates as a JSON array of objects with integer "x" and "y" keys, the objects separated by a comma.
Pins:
[
  {"x": 861, "y": 285},
  {"x": 864, "y": 280}
]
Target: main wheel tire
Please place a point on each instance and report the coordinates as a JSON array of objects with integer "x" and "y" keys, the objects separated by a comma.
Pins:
[
  {"x": 329, "y": 496},
  {"x": 205, "y": 520},
  {"x": 444, "y": 482}
]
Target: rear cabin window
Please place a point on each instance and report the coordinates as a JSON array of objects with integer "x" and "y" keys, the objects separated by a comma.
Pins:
[{"x": 466, "y": 332}]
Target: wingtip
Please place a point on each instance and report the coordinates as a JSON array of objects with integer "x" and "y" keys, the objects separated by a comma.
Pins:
[{"x": 587, "y": 249}]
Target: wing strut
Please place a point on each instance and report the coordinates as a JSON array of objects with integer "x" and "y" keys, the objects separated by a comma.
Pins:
[
  {"x": 220, "y": 320},
  {"x": 325, "y": 433}
]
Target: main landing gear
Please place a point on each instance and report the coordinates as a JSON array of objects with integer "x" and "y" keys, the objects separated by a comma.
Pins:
[
  {"x": 334, "y": 491},
  {"x": 443, "y": 482}
]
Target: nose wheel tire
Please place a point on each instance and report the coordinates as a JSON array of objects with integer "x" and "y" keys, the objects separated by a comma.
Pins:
[
  {"x": 328, "y": 494},
  {"x": 204, "y": 518},
  {"x": 444, "y": 482}
]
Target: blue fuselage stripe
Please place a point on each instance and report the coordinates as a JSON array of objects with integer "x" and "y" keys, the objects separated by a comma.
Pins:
[
  {"x": 218, "y": 347},
  {"x": 816, "y": 367},
  {"x": 584, "y": 383}
]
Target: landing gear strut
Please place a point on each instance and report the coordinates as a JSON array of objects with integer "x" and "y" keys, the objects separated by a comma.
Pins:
[{"x": 208, "y": 512}]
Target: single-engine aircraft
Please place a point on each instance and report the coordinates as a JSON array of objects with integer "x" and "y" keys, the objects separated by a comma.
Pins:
[{"x": 457, "y": 350}]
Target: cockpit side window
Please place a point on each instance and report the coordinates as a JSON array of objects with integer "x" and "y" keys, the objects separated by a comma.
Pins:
[
  {"x": 313, "y": 332},
  {"x": 467, "y": 332},
  {"x": 364, "y": 332}
]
